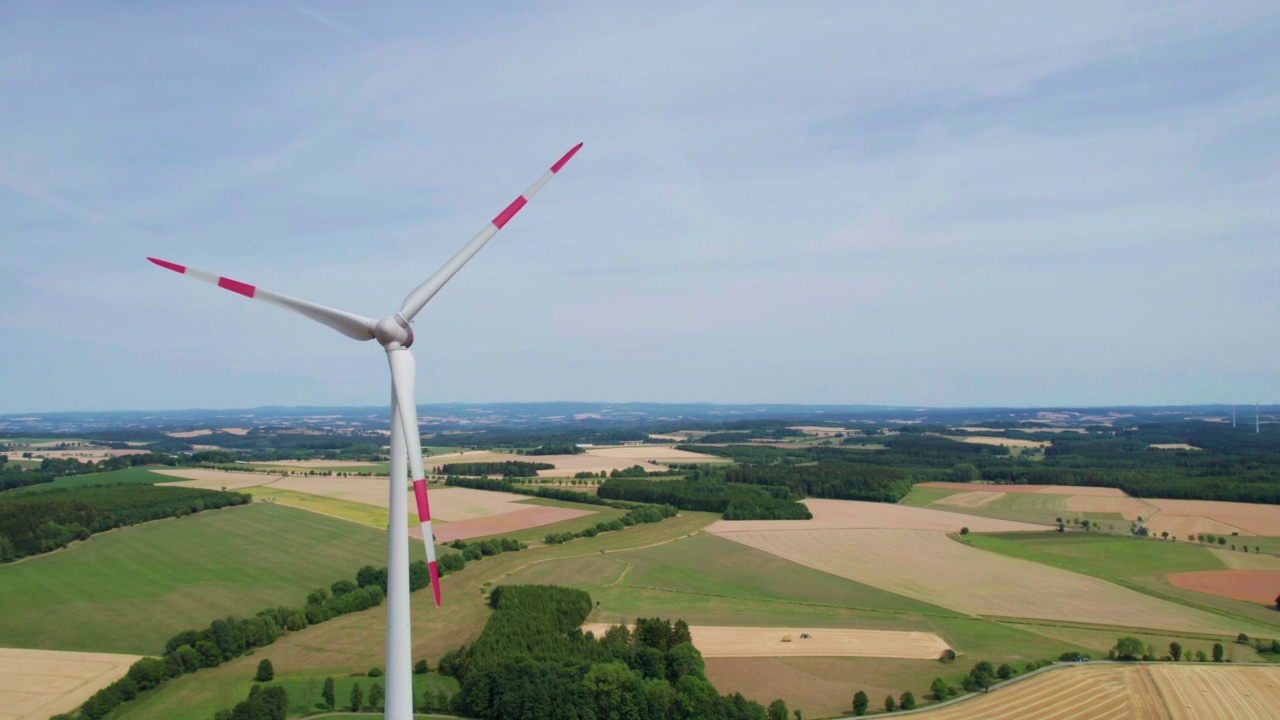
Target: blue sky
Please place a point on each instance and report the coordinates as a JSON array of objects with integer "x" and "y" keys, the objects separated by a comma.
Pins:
[{"x": 935, "y": 203}]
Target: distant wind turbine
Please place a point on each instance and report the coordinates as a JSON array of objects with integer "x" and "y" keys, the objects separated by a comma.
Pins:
[{"x": 395, "y": 335}]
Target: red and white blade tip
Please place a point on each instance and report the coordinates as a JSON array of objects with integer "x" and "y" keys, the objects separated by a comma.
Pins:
[
  {"x": 561, "y": 162},
  {"x": 225, "y": 283}
]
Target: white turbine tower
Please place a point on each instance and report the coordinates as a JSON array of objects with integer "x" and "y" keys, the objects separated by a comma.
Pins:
[{"x": 395, "y": 335}]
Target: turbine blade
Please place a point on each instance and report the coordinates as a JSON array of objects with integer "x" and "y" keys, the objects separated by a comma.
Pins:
[
  {"x": 353, "y": 326},
  {"x": 421, "y": 295},
  {"x": 403, "y": 372}
]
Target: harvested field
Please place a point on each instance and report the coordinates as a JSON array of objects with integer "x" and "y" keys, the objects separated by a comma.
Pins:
[
  {"x": 969, "y": 499},
  {"x": 1183, "y": 527},
  {"x": 826, "y": 642},
  {"x": 661, "y": 453},
  {"x": 1172, "y": 446},
  {"x": 1130, "y": 508},
  {"x": 1006, "y": 442},
  {"x": 1129, "y": 692},
  {"x": 1236, "y": 560},
  {"x": 322, "y": 463},
  {"x": 1202, "y": 692},
  {"x": 929, "y": 566},
  {"x": 853, "y": 514},
  {"x": 819, "y": 687},
  {"x": 217, "y": 479},
  {"x": 1258, "y": 586},
  {"x": 1244, "y": 517},
  {"x": 189, "y": 434},
  {"x": 36, "y": 684},
  {"x": 1044, "y": 489},
  {"x": 447, "y": 503},
  {"x": 529, "y": 516}
]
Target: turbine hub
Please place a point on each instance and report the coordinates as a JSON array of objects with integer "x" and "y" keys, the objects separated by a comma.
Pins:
[{"x": 393, "y": 331}]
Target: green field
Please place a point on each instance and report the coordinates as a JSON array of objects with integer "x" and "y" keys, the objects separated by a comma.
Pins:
[
  {"x": 925, "y": 496},
  {"x": 133, "y": 475},
  {"x": 370, "y": 515},
  {"x": 130, "y": 590}
]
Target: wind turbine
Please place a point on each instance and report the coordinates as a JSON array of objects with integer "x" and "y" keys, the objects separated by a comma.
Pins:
[{"x": 395, "y": 335}]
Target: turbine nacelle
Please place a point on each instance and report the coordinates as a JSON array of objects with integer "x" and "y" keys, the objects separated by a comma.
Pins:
[{"x": 393, "y": 332}]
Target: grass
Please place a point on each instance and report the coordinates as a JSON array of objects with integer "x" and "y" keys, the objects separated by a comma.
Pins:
[
  {"x": 305, "y": 692},
  {"x": 134, "y": 475},
  {"x": 925, "y": 496},
  {"x": 130, "y": 590}
]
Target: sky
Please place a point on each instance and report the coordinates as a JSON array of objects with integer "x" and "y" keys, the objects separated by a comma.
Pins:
[{"x": 905, "y": 203}]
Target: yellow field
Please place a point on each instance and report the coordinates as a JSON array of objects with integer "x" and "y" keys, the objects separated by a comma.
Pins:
[
  {"x": 716, "y": 642},
  {"x": 1006, "y": 442},
  {"x": 1129, "y": 692},
  {"x": 35, "y": 684}
]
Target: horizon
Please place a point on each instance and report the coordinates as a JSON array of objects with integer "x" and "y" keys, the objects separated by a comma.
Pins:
[{"x": 993, "y": 204}]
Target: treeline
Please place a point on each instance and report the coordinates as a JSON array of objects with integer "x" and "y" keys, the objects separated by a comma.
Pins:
[
  {"x": 735, "y": 501},
  {"x": 508, "y": 468},
  {"x": 554, "y": 449},
  {"x": 223, "y": 640},
  {"x": 15, "y": 476},
  {"x": 636, "y": 516},
  {"x": 841, "y": 481},
  {"x": 38, "y": 522},
  {"x": 533, "y": 662}
]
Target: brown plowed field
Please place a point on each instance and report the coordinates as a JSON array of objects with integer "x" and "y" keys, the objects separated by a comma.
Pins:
[
  {"x": 1246, "y": 517},
  {"x": 528, "y": 517},
  {"x": 35, "y": 684},
  {"x": 929, "y": 566},
  {"x": 1260, "y": 586},
  {"x": 1183, "y": 526},
  {"x": 1129, "y": 692},
  {"x": 826, "y": 642},
  {"x": 852, "y": 514}
]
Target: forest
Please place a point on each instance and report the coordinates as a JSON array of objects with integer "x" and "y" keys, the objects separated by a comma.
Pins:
[
  {"x": 509, "y": 468},
  {"x": 736, "y": 501},
  {"x": 533, "y": 662}
]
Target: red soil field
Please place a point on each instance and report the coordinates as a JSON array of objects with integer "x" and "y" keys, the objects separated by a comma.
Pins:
[
  {"x": 1260, "y": 586},
  {"x": 533, "y": 516}
]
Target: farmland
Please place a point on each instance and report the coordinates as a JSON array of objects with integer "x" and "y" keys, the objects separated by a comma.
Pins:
[
  {"x": 1145, "y": 692},
  {"x": 881, "y": 587},
  {"x": 35, "y": 684},
  {"x": 129, "y": 590}
]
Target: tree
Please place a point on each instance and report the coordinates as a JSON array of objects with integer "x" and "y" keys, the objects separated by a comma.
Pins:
[
  {"x": 1128, "y": 649},
  {"x": 1243, "y": 639},
  {"x": 1005, "y": 671},
  {"x": 421, "y": 667},
  {"x": 890, "y": 704},
  {"x": 860, "y": 703},
  {"x": 327, "y": 693},
  {"x": 1217, "y": 652},
  {"x": 357, "y": 698},
  {"x": 907, "y": 701},
  {"x": 376, "y": 696},
  {"x": 778, "y": 710},
  {"x": 265, "y": 673},
  {"x": 940, "y": 689},
  {"x": 947, "y": 656},
  {"x": 964, "y": 531},
  {"x": 1175, "y": 651},
  {"x": 1201, "y": 657}
]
